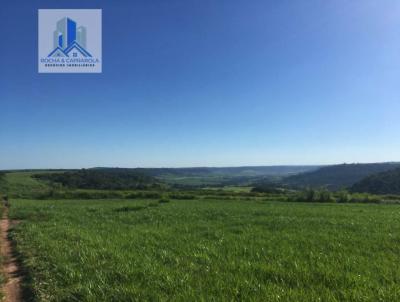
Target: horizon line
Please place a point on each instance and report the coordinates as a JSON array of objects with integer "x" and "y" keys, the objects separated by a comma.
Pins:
[{"x": 205, "y": 167}]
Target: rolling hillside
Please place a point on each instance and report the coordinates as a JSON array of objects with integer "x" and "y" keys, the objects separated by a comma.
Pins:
[
  {"x": 21, "y": 184},
  {"x": 231, "y": 171},
  {"x": 218, "y": 176},
  {"x": 338, "y": 176},
  {"x": 382, "y": 183}
]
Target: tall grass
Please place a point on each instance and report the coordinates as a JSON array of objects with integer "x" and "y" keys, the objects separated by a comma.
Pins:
[{"x": 209, "y": 250}]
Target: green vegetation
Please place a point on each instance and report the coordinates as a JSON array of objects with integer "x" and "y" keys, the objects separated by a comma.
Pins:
[
  {"x": 32, "y": 185},
  {"x": 2, "y": 181},
  {"x": 2, "y": 278},
  {"x": 382, "y": 183},
  {"x": 225, "y": 176},
  {"x": 22, "y": 185},
  {"x": 102, "y": 179},
  {"x": 322, "y": 195},
  {"x": 179, "y": 181},
  {"x": 311, "y": 195},
  {"x": 230, "y": 171},
  {"x": 206, "y": 250},
  {"x": 237, "y": 189},
  {"x": 267, "y": 188},
  {"x": 221, "y": 243},
  {"x": 337, "y": 177}
]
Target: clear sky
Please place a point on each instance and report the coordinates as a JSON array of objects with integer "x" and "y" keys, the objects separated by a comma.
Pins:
[{"x": 207, "y": 83}]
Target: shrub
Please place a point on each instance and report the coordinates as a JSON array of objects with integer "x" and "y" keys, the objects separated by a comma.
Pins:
[
  {"x": 181, "y": 196},
  {"x": 365, "y": 198},
  {"x": 343, "y": 197},
  {"x": 311, "y": 195},
  {"x": 266, "y": 189},
  {"x": 149, "y": 195}
]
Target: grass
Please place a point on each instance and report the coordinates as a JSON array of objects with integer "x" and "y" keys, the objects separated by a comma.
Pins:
[
  {"x": 234, "y": 189},
  {"x": 21, "y": 184},
  {"x": 209, "y": 250},
  {"x": 2, "y": 277}
]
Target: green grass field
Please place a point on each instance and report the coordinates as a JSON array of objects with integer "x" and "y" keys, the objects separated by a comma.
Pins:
[
  {"x": 2, "y": 278},
  {"x": 209, "y": 250},
  {"x": 22, "y": 184},
  {"x": 194, "y": 180}
]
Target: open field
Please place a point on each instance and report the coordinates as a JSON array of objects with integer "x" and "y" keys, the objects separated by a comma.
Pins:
[
  {"x": 185, "y": 250},
  {"x": 226, "y": 151},
  {"x": 21, "y": 184}
]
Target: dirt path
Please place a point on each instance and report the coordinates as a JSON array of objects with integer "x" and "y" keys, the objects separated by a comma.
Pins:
[{"x": 12, "y": 289}]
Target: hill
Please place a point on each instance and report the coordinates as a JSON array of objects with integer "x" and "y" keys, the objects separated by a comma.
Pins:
[
  {"x": 21, "y": 184},
  {"x": 381, "y": 183},
  {"x": 231, "y": 171},
  {"x": 220, "y": 176},
  {"x": 338, "y": 176},
  {"x": 29, "y": 182},
  {"x": 107, "y": 179}
]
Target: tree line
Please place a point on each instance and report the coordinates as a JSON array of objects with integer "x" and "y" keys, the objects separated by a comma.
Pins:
[{"x": 102, "y": 179}]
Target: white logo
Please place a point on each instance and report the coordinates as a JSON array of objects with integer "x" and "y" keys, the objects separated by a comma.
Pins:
[{"x": 70, "y": 41}]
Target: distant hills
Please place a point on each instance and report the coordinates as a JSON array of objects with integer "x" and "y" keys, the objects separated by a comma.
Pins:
[
  {"x": 130, "y": 178},
  {"x": 381, "y": 183},
  {"x": 337, "y": 176},
  {"x": 221, "y": 176},
  {"x": 231, "y": 171},
  {"x": 379, "y": 178}
]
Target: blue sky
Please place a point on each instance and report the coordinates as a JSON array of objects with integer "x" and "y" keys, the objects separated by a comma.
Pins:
[{"x": 207, "y": 83}]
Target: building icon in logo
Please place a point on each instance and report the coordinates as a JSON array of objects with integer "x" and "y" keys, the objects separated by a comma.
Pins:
[{"x": 68, "y": 40}]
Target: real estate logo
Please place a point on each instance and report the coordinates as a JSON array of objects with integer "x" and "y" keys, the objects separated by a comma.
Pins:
[{"x": 69, "y": 41}]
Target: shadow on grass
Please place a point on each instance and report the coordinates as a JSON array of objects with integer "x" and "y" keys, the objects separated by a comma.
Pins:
[
  {"x": 131, "y": 209},
  {"x": 27, "y": 293}
]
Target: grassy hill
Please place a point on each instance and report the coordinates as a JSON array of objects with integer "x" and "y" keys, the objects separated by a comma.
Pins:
[
  {"x": 338, "y": 176},
  {"x": 382, "y": 183},
  {"x": 21, "y": 184}
]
